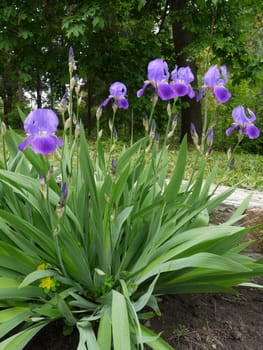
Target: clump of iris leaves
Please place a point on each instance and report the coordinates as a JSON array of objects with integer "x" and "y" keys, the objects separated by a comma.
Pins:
[{"x": 96, "y": 238}]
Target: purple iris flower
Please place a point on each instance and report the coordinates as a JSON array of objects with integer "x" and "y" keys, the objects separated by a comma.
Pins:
[
  {"x": 158, "y": 76},
  {"x": 182, "y": 78},
  {"x": 40, "y": 126},
  {"x": 245, "y": 125},
  {"x": 214, "y": 81},
  {"x": 117, "y": 92}
]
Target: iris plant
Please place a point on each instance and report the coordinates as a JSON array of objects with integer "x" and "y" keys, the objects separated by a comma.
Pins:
[
  {"x": 158, "y": 76},
  {"x": 40, "y": 126},
  {"x": 182, "y": 78},
  {"x": 117, "y": 93},
  {"x": 216, "y": 80},
  {"x": 245, "y": 125}
]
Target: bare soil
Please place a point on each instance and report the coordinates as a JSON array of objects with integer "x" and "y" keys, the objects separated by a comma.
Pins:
[
  {"x": 212, "y": 321},
  {"x": 190, "y": 322}
]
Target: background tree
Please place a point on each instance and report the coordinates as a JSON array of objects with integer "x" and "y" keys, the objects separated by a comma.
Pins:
[{"x": 116, "y": 40}]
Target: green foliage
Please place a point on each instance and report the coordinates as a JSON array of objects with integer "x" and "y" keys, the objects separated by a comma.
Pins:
[
  {"x": 128, "y": 230},
  {"x": 123, "y": 238}
]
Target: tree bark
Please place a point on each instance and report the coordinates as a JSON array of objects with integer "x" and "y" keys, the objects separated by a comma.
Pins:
[
  {"x": 182, "y": 37},
  {"x": 39, "y": 90}
]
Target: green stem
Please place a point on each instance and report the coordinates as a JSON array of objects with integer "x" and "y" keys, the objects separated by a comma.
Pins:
[
  {"x": 204, "y": 123},
  {"x": 4, "y": 151},
  {"x": 70, "y": 109},
  {"x": 111, "y": 138}
]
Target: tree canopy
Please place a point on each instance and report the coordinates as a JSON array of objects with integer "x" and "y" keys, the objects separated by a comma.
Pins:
[{"x": 115, "y": 40}]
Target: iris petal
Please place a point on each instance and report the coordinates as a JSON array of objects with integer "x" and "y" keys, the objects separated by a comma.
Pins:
[
  {"x": 252, "y": 114},
  {"x": 200, "y": 93},
  {"x": 123, "y": 103},
  {"x": 191, "y": 92},
  {"x": 229, "y": 130},
  {"x": 141, "y": 91},
  {"x": 158, "y": 70},
  {"x": 165, "y": 91},
  {"x": 25, "y": 143},
  {"x": 221, "y": 93},
  {"x": 118, "y": 89},
  {"x": 180, "y": 89},
  {"x": 41, "y": 120},
  {"x": 44, "y": 144},
  {"x": 252, "y": 131},
  {"x": 211, "y": 76},
  {"x": 239, "y": 115},
  {"x": 106, "y": 101}
]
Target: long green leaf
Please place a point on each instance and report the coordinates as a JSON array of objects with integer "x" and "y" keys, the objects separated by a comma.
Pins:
[
  {"x": 154, "y": 340},
  {"x": 203, "y": 260},
  {"x": 104, "y": 331},
  {"x": 178, "y": 174},
  {"x": 19, "y": 340},
  {"x": 11, "y": 317},
  {"x": 120, "y": 322},
  {"x": 87, "y": 339},
  {"x": 9, "y": 290}
]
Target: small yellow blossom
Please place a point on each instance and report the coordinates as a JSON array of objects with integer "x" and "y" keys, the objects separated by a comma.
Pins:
[
  {"x": 47, "y": 283},
  {"x": 41, "y": 266}
]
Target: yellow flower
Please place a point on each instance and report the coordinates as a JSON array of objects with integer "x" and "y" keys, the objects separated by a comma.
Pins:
[
  {"x": 41, "y": 266},
  {"x": 47, "y": 283}
]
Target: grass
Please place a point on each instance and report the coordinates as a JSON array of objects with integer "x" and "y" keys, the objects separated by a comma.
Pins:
[{"x": 247, "y": 170}]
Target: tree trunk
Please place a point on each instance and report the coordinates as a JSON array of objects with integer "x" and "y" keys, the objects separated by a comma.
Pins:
[
  {"x": 182, "y": 37},
  {"x": 39, "y": 90},
  {"x": 7, "y": 95}
]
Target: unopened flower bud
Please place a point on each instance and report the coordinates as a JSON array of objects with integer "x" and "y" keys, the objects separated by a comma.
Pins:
[
  {"x": 71, "y": 61},
  {"x": 99, "y": 112},
  {"x": 113, "y": 166},
  {"x": 77, "y": 129},
  {"x": 63, "y": 106},
  {"x": 59, "y": 210},
  {"x": 154, "y": 99},
  {"x": 229, "y": 152},
  {"x": 100, "y": 134},
  {"x": 67, "y": 124},
  {"x": 74, "y": 118},
  {"x": 231, "y": 164},
  {"x": 72, "y": 83},
  {"x": 64, "y": 194},
  {"x": 209, "y": 152},
  {"x": 174, "y": 122},
  {"x": 50, "y": 172},
  {"x": 110, "y": 125},
  {"x": 145, "y": 122},
  {"x": 79, "y": 100},
  {"x": 114, "y": 107},
  {"x": 169, "y": 110},
  {"x": 115, "y": 135},
  {"x": 194, "y": 135},
  {"x": 152, "y": 131},
  {"x": 3, "y": 128},
  {"x": 42, "y": 184},
  {"x": 77, "y": 84},
  {"x": 210, "y": 137}
]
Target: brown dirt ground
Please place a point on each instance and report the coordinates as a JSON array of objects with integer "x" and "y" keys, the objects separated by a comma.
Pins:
[{"x": 190, "y": 322}]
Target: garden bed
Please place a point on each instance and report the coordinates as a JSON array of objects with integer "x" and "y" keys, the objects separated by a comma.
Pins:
[
  {"x": 195, "y": 321},
  {"x": 190, "y": 322}
]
